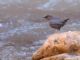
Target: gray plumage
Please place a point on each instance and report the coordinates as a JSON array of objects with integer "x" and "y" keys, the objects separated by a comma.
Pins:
[{"x": 56, "y": 22}]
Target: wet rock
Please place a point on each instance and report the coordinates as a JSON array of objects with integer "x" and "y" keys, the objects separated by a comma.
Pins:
[{"x": 59, "y": 43}]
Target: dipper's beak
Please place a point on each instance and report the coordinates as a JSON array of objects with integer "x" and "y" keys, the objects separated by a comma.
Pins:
[
  {"x": 47, "y": 16},
  {"x": 44, "y": 17}
]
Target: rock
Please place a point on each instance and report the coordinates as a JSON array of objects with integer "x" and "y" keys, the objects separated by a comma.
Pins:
[
  {"x": 59, "y": 43},
  {"x": 62, "y": 57}
]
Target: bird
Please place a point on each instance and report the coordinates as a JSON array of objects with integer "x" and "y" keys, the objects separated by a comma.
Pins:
[{"x": 55, "y": 22}]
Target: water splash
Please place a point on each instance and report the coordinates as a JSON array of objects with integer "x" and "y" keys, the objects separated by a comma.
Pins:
[
  {"x": 1, "y": 25},
  {"x": 48, "y": 4}
]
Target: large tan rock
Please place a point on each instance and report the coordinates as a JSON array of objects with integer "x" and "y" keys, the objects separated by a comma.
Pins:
[
  {"x": 62, "y": 57},
  {"x": 59, "y": 43}
]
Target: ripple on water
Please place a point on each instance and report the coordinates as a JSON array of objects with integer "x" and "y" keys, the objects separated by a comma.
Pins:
[
  {"x": 38, "y": 43},
  {"x": 28, "y": 27}
]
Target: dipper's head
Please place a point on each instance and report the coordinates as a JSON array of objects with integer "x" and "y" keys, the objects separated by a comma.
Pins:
[{"x": 48, "y": 17}]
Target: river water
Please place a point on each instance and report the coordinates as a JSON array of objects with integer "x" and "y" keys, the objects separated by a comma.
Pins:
[{"x": 23, "y": 30}]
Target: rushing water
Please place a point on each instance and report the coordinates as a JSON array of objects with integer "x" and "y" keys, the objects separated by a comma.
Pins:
[{"x": 22, "y": 28}]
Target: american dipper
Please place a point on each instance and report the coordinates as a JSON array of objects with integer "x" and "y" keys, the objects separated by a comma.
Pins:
[{"x": 56, "y": 22}]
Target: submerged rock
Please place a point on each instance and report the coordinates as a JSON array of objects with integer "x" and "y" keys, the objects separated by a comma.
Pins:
[{"x": 59, "y": 43}]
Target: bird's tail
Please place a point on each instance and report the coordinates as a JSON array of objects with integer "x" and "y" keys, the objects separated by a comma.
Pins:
[{"x": 65, "y": 20}]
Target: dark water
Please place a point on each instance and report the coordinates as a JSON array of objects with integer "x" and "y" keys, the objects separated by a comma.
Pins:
[{"x": 22, "y": 28}]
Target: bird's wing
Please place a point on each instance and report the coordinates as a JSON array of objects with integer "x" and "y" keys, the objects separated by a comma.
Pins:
[{"x": 55, "y": 21}]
